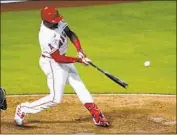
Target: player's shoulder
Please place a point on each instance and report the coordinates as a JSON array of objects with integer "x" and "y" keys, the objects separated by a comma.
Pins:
[
  {"x": 48, "y": 36},
  {"x": 62, "y": 24}
]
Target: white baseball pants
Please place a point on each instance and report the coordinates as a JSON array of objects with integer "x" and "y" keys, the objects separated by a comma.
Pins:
[{"x": 57, "y": 76}]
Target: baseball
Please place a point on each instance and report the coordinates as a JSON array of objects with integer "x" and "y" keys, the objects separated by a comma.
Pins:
[{"x": 147, "y": 63}]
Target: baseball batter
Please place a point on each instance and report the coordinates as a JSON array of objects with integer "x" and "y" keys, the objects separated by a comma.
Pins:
[{"x": 59, "y": 68}]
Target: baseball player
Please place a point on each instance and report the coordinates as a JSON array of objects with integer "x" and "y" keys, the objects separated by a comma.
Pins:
[{"x": 59, "y": 68}]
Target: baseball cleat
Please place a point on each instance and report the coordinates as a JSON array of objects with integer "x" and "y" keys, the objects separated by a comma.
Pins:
[
  {"x": 101, "y": 123},
  {"x": 100, "y": 120},
  {"x": 19, "y": 116}
]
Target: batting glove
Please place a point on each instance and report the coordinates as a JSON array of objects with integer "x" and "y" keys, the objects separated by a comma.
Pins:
[
  {"x": 81, "y": 54},
  {"x": 85, "y": 61}
]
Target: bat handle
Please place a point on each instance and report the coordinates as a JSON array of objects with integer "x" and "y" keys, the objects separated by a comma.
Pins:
[{"x": 91, "y": 63}]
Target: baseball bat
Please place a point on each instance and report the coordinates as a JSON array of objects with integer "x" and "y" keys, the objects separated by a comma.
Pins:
[{"x": 113, "y": 78}]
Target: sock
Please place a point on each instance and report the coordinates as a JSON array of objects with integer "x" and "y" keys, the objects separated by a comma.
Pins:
[{"x": 93, "y": 109}]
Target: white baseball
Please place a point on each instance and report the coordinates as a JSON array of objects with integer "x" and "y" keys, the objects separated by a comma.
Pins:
[{"x": 147, "y": 63}]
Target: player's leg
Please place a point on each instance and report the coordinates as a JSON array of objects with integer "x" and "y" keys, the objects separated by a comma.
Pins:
[
  {"x": 56, "y": 79},
  {"x": 85, "y": 97}
]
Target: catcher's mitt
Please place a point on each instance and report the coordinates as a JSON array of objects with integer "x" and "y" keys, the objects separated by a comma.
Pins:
[{"x": 3, "y": 102}]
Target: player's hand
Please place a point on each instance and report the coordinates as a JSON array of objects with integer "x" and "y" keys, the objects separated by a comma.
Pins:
[
  {"x": 85, "y": 61},
  {"x": 81, "y": 54}
]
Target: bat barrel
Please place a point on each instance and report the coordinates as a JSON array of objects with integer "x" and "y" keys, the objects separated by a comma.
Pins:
[{"x": 113, "y": 78}]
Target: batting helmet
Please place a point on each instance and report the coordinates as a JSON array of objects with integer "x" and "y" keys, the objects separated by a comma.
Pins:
[{"x": 50, "y": 15}]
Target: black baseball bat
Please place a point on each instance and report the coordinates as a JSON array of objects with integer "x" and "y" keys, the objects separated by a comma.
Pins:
[{"x": 115, "y": 79}]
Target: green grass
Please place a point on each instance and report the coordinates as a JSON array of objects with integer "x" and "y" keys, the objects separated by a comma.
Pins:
[{"x": 118, "y": 38}]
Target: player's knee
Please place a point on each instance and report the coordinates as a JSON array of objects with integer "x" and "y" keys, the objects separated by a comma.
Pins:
[{"x": 55, "y": 100}]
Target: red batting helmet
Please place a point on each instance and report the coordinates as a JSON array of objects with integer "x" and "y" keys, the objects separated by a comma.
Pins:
[{"x": 50, "y": 15}]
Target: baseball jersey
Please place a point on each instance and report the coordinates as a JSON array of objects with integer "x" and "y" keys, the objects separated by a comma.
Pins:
[{"x": 52, "y": 39}]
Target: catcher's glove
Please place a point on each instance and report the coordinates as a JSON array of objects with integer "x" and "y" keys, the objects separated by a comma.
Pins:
[{"x": 3, "y": 102}]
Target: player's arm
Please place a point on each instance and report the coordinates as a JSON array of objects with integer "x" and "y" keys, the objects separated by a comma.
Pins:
[
  {"x": 55, "y": 54},
  {"x": 66, "y": 59},
  {"x": 63, "y": 59},
  {"x": 74, "y": 39}
]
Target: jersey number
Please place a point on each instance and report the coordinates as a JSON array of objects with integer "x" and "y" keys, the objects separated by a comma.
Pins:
[
  {"x": 62, "y": 39},
  {"x": 51, "y": 47}
]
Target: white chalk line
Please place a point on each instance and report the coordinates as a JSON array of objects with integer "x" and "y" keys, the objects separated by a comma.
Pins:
[
  {"x": 11, "y": 1},
  {"x": 161, "y": 120},
  {"x": 154, "y": 95}
]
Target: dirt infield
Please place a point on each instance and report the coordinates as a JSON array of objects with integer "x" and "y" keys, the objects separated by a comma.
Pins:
[
  {"x": 127, "y": 114},
  {"x": 40, "y": 4}
]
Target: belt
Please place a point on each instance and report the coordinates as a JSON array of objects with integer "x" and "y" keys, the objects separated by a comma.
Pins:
[{"x": 44, "y": 56}]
